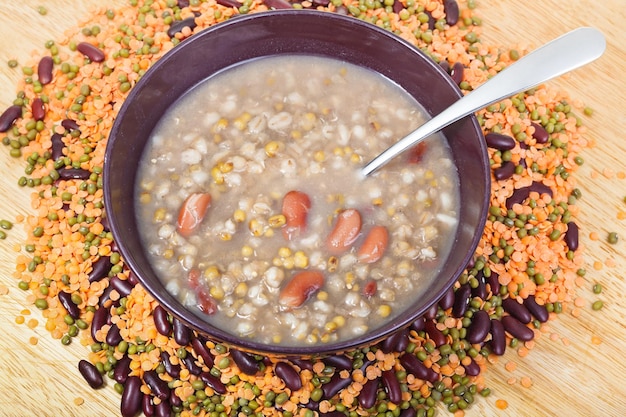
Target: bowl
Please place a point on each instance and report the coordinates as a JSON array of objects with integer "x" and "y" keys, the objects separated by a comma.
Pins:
[{"x": 290, "y": 32}]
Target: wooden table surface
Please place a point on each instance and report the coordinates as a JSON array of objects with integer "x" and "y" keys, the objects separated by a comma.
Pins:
[{"x": 579, "y": 378}]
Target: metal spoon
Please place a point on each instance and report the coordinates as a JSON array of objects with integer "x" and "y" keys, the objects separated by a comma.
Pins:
[{"x": 565, "y": 53}]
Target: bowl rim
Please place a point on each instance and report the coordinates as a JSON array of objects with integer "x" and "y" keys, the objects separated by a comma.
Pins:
[{"x": 191, "y": 319}]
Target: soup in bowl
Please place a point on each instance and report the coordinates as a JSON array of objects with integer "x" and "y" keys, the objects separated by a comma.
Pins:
[{"x": 233, "y": 190}]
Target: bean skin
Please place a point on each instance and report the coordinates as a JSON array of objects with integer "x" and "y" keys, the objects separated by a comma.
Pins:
[
  {"x": 213, "y": 382},
  {"x": 416, "y": 367},
  {"x": 389, "y": 344},
  {"x": 278, "y": 4},
  {"x": 517, "y": 329},
  {"x": 504, "y": 171},
  {"x": 538, "y": 311},
  {"x": 461, "y": 300},
  {"x": 57, "y": 146},
  {"x": 245, "y": 362},
  {"x": 122, "y": 286},
  {"x": 161, "y": 321},
  {"x": 392, "y": 386},
  {"x": 113, "y": 337},
  {"x": 435, "y": 334},
  {"x": 181, "y": 333},
  {"x": 368, "y": 395},
  {"x": 163, "y": 409},
  {"x": 175, "y": 400},
  {"x": 90, "y": 373},
  {"x": 540, "y": 188},
  {"x": 419, "y": 324},
  {"x": 408, "y": 412},
  {"x": 397, "y": 6},
  {"x": 190, "y": 363},
  {"x": 100, "y": 318},
  {"x": 90, "y": 51},
  {"x": 571, "y": 236},
  {"x": 130, "y": 404},
  {"x": 431, "y": 313},
  {"x": 479, "y": 329},
  {"x": 70, "y": 125},
  {"x": 295, "y": 208},
  {"x": 302, "y": 363},
  {"x": 171, "y": 369},
  {"x": 300, "y": 288},
  {"x": 518, "y": 197},
  {"x": 541, "y": 135},
  {"x": 229, "y": 3},
  {"x": 456, "y": 72},
  {"x": 289, "y": 375},
  {"x": 500, "y": 141},
  {"x": 66, "y": 301},
  {"x": 336, "y": 384},
  {"x": 374, "y": 245},
  {"x": 342, "y": 362},
  {"x": 74, "y": 174},
  {"x": 517, "y": 310},
  {"x": 451, "y": 9},
  {"x": 100, "y": 269},
  {"x": 159, "y": 387},
  {"x": 481, "y": 289},
  {"x": 44, "y": 70},
  {"x": 122, "y": 369},
  {"x": 447, "y": 301},
  {"x": 38, "y": 109},
  {"x": 345, "y": 231},
  {"x": 472, "y": 368},
  {"x": 494, "y": 283},
  {"x": 179, "y": 25},
  {"x": 202, "y": 351},
  {"x": 498, "y": 338},
  {"x": 9, "y": 116},
  {"x": 147, "y": 406}
]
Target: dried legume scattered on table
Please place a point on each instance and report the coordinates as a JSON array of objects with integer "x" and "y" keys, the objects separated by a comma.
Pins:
[{"x": 526, "y": 269}]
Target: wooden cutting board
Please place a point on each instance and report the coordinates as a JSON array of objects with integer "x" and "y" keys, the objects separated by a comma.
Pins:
[{"x": 573, "y": 375}]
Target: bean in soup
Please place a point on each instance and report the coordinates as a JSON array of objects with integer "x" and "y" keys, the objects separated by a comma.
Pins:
[{"x": 253, "y": 212}]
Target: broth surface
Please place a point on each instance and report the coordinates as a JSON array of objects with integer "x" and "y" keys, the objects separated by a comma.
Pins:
[{"x": 250, "y": 135}]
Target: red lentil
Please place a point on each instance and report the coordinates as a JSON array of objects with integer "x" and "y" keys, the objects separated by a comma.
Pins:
[{"x": 67, "y": 233}]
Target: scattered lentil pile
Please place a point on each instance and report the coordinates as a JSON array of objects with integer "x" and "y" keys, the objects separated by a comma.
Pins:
[{"x": 526, "y": 269}]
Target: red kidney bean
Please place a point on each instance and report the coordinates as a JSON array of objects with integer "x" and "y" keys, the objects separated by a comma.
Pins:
[
  {"x": 336, "y": 384},
  {"x": 44, "y": 70},
  {"x": 435, "y": 334},
  {"x": 246, "y": 362},
  {"x": 431, "y": 313},
  {"x": 332, "y": 414},
  {"x": 122, "y": 369},
  {"x": 403, "y": 340},
  {"x": 38, "y": 109},
  {"x": 66, "y": 301},
  {"x": 278, "y": 4},
  {"x": 182, "y": 3},
  {"x": 130, "y": 404},
  {"x": 447, "y": 301},
  {"x": 540, "y": 188},
  {"x": 229, "y": 3},
  {"x": 392, "y": 386},
  {"x": 444, "y": 64},
  {"x": 302, "y": 363},
  {"x": 122, "y": 286},
  {"x": 181, "y": 333},
  {"x": 397, "y": 6},
  {"x": 479, "y": 329},
  {"x": 289, "y": 375},
  {"x": 147, "y": 406},
  {"x": 90, "y": 373},
  {"x": 90, "y": 51},
  {"x": 105, "y": 298},
  {"x": 171, "y": 369},
  {"x": 494, "y": 283},
  {"x": 202, "y": 351},
  {"x": 500, "y": 141},
  {"x": 132, "y": 277},
  {"x": 175, "y": 400},
  {"x": 571, "y": 236},
  {"x": 100, "y": 318},
  {"x": 113, "y": 337},
  {"x": 389, "y": 344},
  {"x": 517, "y": 329},
  {"x": 70, "y": 125},
  {"x": 412, "y": 364},
  {"x": 431, "y": 20},
  {"x": 213, "y": 382},
  {"x": 504, "y": 171},
  {"x": 518, "y": 197},
  {"x": 100, "y": 269},
  {"x": 517, "y": 310},
  {"x": 370, "y": 288},
  {"x": 408, "y": 412},
  {"x": 419, "y": 324},
  {"x": 538, "y": 311},
  {"x": 57, "y": 146},
  {"x": 163, "y": 409},
  {"x": 472, "y": 368},
  {"x": 451, "y": 9},
  {"x": 161, "y": 321},
  {"x": 498, "y": 338},
  {"x": 189, "y": 22},
  {"x": 9, "y": 116},
  {"x": 338, "y": 361},
  {"x": 481, "y": 289},
  {"x": 74, "y": 174},
  {"x": 461, "y": 300},
  {"x": 456, "y": 72},
  {"x": 190, "y": 363},
  {"x": 368, "y": 395},
  {"x": 159, "y": 387},
  {"x": 541, "y": 135}
]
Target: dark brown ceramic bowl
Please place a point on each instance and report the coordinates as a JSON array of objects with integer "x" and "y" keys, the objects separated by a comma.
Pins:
[{"x": 290, "y": 32}]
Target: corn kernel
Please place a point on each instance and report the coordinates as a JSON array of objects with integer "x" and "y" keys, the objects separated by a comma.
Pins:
[
  {"x": 384, "y": 311},
  {"x": 355, "y": 158},
  {"x": 241, "y": 289},
  {"x": 216, "y": 292},
  {"x": 377, "y": 201},
  {"x": 339, "y": 320},
  {"x": 338, "y": 151},
  {"x": 225, "y": 236},
  {"x": 296, "y": 134},
  {"x": 159, "y": 214},
  {"x": 277, "y": 338},
  {"x": 144, "y": 198},
  {"x": 247, "y": 251},
  {"x": 284, "y": 252},
  {"x": 239, "y": 216},
  {"x": 241, "y": 122},
  {"x": 300, "y": 259},
  {"x": 217, "y": 175},
  {"x": 343, "y": 71},
  {"x": 319, "y": 156},
  {"x": 330, "y": 326},
  {"x": 212, "y": 272},
  {"x": 333, "y": 262},
  {"x": 325, "y": 338},
  {"x": 349, "y": 279},
  {"x": 279, "y": 106},
  {"x": 168, "y": 253},
  {"x": 269, "y": 233},
  {"x": 375, "y": 125},
  {"x": 277, "y": 261},
  {"x": 278, "y": 220},
  {"x": 288, "y": 263},
  {"x": 255, "y": 227},
  {"x": 271, "y": 148},
  {"x": 221, "y": 124},
  {"x": 322, "y": 295},
  {"x": 429, "y": 175},
  {"x": 225, "y": 166}
]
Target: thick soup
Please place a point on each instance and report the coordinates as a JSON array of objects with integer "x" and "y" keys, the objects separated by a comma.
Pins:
[{"x": 254, "y": 214}]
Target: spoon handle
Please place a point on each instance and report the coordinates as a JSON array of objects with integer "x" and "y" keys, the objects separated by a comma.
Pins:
[{"x": 565, "y": 53}]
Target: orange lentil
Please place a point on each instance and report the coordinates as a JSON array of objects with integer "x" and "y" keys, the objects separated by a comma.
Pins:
[
  {"x": 526, "y": 381},
  {"x": 501, "y": 404}
]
